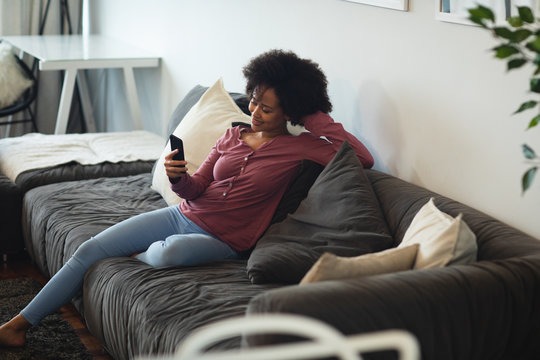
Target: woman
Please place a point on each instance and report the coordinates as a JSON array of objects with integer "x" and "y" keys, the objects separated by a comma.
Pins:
[{"x": 230, "y": 200}]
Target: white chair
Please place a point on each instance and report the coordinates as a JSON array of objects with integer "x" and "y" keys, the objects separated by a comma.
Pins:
[{"x": 324, "y": 341}]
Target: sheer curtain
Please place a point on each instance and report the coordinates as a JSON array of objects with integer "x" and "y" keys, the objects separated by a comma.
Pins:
[{"x": 23, "y": 17}]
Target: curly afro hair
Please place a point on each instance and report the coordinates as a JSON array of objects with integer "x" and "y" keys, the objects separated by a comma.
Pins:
[{"x": 299, "y": 84}]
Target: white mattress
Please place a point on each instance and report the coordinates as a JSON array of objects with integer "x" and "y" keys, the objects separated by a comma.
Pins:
[{"x": 36, "y": 151}]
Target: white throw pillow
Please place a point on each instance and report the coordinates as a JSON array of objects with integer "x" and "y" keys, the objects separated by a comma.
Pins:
[
  {"x": 332, "y": 267},
  {"x": 202, "y": 126},
  {"x": 443, "y": 240},
  {"x": 13, "y": 83}
]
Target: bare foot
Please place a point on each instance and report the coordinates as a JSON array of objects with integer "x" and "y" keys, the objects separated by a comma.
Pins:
[{"x": 13, "y": 333}]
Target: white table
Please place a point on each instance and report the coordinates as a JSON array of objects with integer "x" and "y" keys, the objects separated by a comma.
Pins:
[{"x": 73, "y": 53}]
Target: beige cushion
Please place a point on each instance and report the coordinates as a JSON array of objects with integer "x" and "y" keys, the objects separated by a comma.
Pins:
[
  {"x": 332, "y": 267},
  {"x": 443, "y": 240},
  {"x": 13, "y": 83},
  {"x": 202, "y": 126}
]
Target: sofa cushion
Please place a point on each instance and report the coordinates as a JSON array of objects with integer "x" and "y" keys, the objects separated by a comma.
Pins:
[
  {"x": 298, "y": 190},
  {"x": 332, "y": 267},
  {"x": 183, "y": 107},
  {"x": 443, "y": 240},
  {"x": 340, "y": 215},
  {"x": 200, "y": 128},
  {"x": 192, "y": 97}
]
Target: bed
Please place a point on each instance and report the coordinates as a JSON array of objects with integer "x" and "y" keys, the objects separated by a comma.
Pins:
[{"x": 33, "y": 160}]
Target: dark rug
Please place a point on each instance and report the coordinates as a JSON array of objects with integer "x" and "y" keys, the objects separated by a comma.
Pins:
[{"x": 52, "y": 339}]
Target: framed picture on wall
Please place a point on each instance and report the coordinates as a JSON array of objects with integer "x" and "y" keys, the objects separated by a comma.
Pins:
[
  {"x": 455, "y": 11},
  {"x": 402, "y": 5}
]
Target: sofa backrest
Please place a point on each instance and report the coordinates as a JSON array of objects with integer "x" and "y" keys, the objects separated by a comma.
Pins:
[{"x": 400, "y": 201}]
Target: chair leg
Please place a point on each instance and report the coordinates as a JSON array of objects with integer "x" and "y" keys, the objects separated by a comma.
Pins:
[{"x": 33, "y": 119}]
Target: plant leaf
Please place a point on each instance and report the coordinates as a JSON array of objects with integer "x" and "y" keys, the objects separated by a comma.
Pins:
[
  {"x": 528, "y": 178},
  {"x": 521, "y": 34},
  {"x": 534, "y": 45},
  {"x": 526, "y": 105},
  {"x": 535, "y": 85},
  {"x": 504, "y": 51},
  {"x": 528, "y": 152},
  {"x": 515, "y": 21},
  {"x": 513, "y": 36},
  {"x": 526, "y": 14},
  {"x": 516, "y": 63},
  {"x": 534, "y": 122},
  {"x": 504, "y": 32},
  {"x": 478, "y": 21},
  {"x": 482, "y": 12}
]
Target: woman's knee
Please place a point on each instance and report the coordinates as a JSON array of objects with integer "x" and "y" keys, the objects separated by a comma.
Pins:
[
  {"x": 185, "y": 249},
  {"x": 89, "y": 251},
  {"x": 167, "y": 253}
]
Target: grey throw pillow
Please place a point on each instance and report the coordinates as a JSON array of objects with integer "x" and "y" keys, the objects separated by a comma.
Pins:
[
  {"x": 340, "y": 215},
  {"x": 298, "y": 190}
]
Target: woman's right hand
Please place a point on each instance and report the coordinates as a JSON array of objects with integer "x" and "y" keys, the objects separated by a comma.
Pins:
[{"x": 175, "y": 169}]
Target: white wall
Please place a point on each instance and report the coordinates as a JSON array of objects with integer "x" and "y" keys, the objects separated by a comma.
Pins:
[{"x": 426, "y": 97}]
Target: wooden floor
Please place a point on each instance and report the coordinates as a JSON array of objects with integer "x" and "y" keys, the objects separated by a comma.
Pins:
[{"x": 20, "y": 266}]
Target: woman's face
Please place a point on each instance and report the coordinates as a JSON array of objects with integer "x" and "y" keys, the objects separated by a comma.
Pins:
[{"x": 266, "y": 113}]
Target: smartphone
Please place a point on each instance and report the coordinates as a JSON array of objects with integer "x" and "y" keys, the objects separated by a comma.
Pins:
[{"x": 176, "y": 143}]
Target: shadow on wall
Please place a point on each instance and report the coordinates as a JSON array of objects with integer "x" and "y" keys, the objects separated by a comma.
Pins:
[
  {"x": 377, "y": 118},
  {"x": 377, "y": 110}
]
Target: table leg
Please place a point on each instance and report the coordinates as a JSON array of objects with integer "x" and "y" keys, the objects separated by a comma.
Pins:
[
  {"x": 8, "y": 126},
  {"x": 85, "y": 102},
  {"x": 65, "y": 101},
  {"x": 132, "y": 97}
]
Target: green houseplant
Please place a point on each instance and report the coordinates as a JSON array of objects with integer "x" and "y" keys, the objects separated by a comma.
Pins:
[{"x": 519, "y": 45}]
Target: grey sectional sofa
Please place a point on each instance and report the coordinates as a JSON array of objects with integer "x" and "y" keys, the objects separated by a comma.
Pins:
[{"x": 489, "y": 309}]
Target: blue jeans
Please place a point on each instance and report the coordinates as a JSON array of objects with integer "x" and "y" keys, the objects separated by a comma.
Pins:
[{"x": 163, "y": 237}]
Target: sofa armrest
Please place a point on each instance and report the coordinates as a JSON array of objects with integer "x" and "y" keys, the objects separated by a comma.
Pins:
[{"x": 486, "y": 310}]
